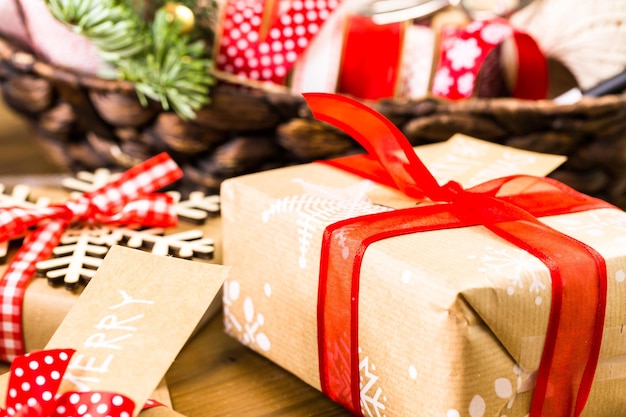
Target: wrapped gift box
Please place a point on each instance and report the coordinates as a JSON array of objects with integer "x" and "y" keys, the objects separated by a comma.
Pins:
[
  {"x": 45, "y": 306},
  {"x": 450, "y": 322},
  {"x": 115, "y": 344}
]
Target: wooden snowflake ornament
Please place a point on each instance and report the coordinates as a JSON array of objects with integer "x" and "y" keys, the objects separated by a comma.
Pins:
[
  {"x": 187, "y": 244},
  {"x": 79, "y": 255},
  {"x": 83, "y": 246},
  {"x": 196, "y": 209}
]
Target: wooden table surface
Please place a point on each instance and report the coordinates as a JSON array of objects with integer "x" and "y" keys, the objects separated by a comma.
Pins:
[{"x": 214, "y": 375}]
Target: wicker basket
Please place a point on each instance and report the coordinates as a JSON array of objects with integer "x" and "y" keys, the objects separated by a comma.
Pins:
[{"x": 89, "y": 122}]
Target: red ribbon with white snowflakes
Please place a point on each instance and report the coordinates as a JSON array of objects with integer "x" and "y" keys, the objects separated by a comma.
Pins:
[
  {"x": 129, "y": 200},
  {"x": 463, "y": 51},
  {"x": 33, "y": 390},
  {"x": 260, "y": 40},
  {"x": 578, "y": 272}
]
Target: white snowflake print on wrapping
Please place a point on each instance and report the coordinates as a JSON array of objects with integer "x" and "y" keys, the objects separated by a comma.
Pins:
[
  {"x": 249, "y": 333},
  {"x": 513, "y": 264},
  {"x": 503, "y": 389},
  {"x": 322, "y": 205},
  {"x": 476, "y": 408},
  {"x": 372, "y": 398},
  {"x": 599, "y": 224}
]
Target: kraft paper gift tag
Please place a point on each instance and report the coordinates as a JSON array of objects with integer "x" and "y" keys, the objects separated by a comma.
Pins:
[{"x": 131, "y": 322}]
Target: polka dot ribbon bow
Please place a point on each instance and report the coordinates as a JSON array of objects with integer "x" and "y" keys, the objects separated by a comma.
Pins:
[
  {"x": 34, "y": 382},
  {"x": 130, "y": 200}
]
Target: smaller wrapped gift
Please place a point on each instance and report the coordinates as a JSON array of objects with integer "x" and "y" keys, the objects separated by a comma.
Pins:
[
  {"x": 117, "y": 342},
  {"x": 45, "y": 273},
  {"x": 493, "y": 294}
]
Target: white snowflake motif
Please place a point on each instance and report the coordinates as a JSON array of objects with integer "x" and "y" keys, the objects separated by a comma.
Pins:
[
  {"x": 320, "y": 206},
  {"x": 514, "y": 265},
  {"x": 597, "y": 223},
  {"x": 372, "y": 398},
  {"x": 503, "y": 388},
  {"x": 469, "y": 149},
  {"x": 248, "y": 333},
  {"x": 477, "y": 408},
  {"x": 464, "y": 53},
  {"x": 442, "y": 82},
  {"x": 494, "y": 33},
  {"x": 465, "y": 83}
]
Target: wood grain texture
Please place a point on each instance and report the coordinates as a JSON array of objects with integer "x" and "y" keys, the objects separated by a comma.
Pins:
[
  {"x": 217, "y": 376},
  {"x": 20, "y": 152}
]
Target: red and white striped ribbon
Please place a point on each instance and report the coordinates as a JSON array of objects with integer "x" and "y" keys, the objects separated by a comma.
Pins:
[{"x": 130, "y": 200}]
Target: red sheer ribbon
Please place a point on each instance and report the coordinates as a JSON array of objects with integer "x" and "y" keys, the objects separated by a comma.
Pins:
[{"x": 578, "y": 272}]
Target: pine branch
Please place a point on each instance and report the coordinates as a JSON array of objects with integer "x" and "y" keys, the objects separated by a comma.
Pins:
[{"x": 164, "y": 65}]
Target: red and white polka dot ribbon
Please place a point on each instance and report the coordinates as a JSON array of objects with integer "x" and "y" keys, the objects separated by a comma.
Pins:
[
  {"x": 34, "y": 382},
  {"x": 464, "y": 50},
  {"x": 260, "y": 40},
  {"x": 130, "y": 200}
]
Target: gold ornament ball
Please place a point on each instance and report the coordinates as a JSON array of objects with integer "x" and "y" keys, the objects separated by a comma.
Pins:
[{"x": 182, "y": 14}]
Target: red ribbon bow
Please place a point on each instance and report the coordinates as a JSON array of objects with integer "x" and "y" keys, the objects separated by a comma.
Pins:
[
  {"x": 130, "y": 200},
  {"x": 578, "y": 272},
  {"x": 34, "y": 382}
]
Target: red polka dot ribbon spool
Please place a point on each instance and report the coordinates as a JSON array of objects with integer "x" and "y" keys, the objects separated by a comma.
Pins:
[
  {"x": 260, "y": 40},
  {"x": 34, "y": 382},
  {"x": 463, "y": 52}
]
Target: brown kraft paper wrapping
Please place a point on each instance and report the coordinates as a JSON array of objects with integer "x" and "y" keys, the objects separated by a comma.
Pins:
[{"x": 451, "y": 322}]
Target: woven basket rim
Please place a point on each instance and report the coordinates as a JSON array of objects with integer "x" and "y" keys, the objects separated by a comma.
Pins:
[{"x": 27, "y": 61}]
